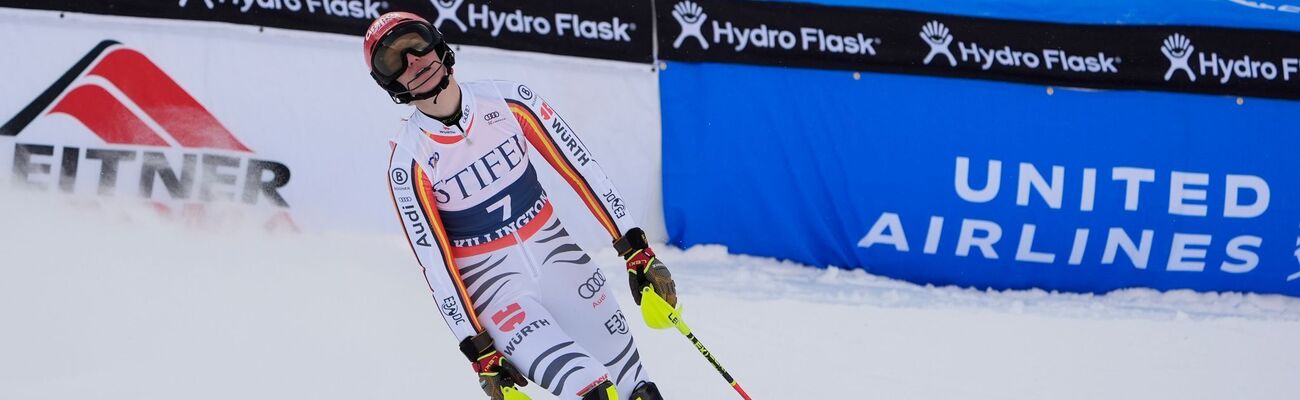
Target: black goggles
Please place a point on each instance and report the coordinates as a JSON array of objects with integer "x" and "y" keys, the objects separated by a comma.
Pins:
[{"x": 389, "y": 58}]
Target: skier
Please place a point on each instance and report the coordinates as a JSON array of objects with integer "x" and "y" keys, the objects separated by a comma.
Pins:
[{"x": 513, "y": 286}]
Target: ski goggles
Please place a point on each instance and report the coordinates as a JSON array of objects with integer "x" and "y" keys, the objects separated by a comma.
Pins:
[{"x": 389, "y": 58}]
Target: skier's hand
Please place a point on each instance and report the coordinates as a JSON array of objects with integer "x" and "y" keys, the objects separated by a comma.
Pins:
[
  {"x": 497, "y": 376},
  {"x": 644, "y": 269}
]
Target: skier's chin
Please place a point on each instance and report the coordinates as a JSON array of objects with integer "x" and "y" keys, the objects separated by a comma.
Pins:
[
  {"x": 425, "y": 87},
  {"x": 422, "y": 90}
]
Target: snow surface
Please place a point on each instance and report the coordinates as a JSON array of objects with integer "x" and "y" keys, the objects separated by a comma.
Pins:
[{"x": 95, "y": 307}]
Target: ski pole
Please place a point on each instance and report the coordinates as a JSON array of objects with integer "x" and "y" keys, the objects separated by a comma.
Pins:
[
  {"x": 510, "y": 393},
  {"x": 659, "y": 315}
]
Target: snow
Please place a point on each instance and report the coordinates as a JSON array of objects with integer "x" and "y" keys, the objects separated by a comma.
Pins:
[{"x": 96, "y": 307}]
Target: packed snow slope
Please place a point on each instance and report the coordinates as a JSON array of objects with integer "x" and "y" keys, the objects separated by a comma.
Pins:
[{"x": 93, "y": 306}]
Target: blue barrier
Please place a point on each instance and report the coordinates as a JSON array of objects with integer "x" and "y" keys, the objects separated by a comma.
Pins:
[{"x": 1097, "y": 190}]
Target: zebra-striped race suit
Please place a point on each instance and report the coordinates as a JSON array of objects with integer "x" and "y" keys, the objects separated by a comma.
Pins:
[{"x": 484, "y": 232}]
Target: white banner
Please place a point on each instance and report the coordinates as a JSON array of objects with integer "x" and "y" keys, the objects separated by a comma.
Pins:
[{"x": 201, "y": 121}]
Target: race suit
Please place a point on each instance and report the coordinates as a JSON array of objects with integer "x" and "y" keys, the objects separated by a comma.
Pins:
[{"x": 493, "y": 251}]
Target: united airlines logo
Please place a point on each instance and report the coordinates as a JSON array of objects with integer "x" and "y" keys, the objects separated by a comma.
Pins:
[
  {"x": 1285, "y": 8},
  {"x": 1296, "y": 275},
  {"x": 1178, "y": 49},
  {"x": 691, "y": 17},
  {"x": 936, "y": 35}
]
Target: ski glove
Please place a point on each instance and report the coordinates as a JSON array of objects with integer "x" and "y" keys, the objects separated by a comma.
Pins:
[
  {"x": 496, "y": 375},
  {"x": 644, "y": 269}
]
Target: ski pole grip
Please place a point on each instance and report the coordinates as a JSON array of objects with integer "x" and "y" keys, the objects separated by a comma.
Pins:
[{"x": 631, "y": 241}]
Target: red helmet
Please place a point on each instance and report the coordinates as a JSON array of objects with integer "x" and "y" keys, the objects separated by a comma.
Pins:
[{"x": 385, "y": 66}]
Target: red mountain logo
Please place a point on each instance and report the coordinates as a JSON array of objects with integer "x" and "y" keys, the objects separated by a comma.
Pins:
[
  {"x": 125, "y": 99},
  {"x": 145, "y": 85}
]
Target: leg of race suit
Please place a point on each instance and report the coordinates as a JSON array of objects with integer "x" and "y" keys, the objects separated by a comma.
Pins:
[
  {"x": 580, "y": 298},
  {"x": 504, "y": 288}
]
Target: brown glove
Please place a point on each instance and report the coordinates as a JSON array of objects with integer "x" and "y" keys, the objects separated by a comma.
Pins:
[
  {"x": 644, "y": 268},
  {"x": 494, "y": 371}
]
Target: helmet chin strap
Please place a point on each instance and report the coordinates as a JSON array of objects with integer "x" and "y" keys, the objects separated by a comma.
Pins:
[
  {"x": 442, "y": 85},
  {"x": 437, "y": 89},
  {"x": 432, "y": 93}
]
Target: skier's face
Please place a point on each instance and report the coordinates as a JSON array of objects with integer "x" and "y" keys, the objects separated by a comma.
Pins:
[{"x": 422, "y": 73}]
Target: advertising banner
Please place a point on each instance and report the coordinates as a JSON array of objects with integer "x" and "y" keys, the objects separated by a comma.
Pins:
[
  {"x": 585, "y": 28},
  {"x": 1241, "y": 62},
  {"x": 226, "y": 126},
  {"x": 1267, "y": 14},
  {"x": 985, "y": 184}
]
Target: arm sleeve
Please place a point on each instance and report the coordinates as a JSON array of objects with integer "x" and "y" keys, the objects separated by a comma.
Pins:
[
  {"x": 555, "y": 141},
  {"x": 412, "y": 193}
]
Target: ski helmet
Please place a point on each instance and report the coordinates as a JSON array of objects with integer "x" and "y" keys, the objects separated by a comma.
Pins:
[{"x": 387, "y": 42}]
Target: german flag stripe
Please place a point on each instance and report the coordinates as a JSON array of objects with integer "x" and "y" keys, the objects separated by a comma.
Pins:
[
  {"x": 424, "y": 196},
  {"x": 535, "y": 131},
  {"x": 391, "y": 196}
]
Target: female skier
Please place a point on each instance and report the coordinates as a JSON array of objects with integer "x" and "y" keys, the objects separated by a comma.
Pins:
[{"x": 526, "y": 302}]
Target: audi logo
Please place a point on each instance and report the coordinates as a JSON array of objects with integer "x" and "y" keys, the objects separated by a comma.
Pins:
[
  {"x": 592, "y": 286},
  {"x": 492, "y": 115}
]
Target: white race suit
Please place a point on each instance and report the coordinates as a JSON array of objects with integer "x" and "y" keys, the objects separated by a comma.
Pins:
[{"x": 484, "y": 233}]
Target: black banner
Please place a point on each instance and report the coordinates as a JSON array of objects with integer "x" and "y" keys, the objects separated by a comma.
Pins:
[
  {"x": 584, "y": 28},
  {"x": 1244, "y": 62}
]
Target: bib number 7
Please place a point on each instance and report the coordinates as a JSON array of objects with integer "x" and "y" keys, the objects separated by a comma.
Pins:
[{"x": 503, "y": 205}]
